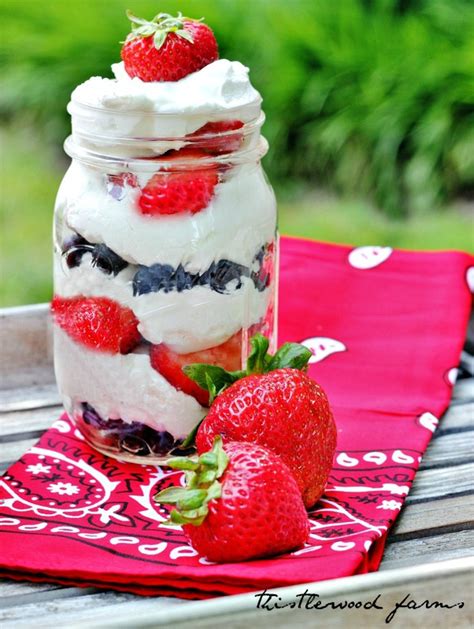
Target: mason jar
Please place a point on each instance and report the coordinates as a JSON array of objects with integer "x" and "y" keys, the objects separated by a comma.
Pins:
[{"x": 165, "y": 254}]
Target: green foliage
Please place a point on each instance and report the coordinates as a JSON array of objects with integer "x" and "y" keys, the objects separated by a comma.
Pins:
[
  {"x": 31, "y": 176},
  {"x": 374, "y": 98}
]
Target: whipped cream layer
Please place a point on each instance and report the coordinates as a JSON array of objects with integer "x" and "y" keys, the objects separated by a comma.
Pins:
[
  {"x": 127, "y": 107},
  {"x": 122, "y": 386},
  {"x": 188, "y": 321},
  {"x": 240, "y": 218}
]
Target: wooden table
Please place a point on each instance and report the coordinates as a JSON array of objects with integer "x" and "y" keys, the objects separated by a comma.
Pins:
[{"x": 429, "y": 554}]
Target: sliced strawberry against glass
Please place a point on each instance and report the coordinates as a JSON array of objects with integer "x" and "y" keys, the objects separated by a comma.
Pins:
[
  {"x": 223, "y": 138},
  {"x": 99, "y": 323},
  {"x": 170, "y": 364},
  {"x": 180, "y": 191},
  {"x": 117, "y": 184}
]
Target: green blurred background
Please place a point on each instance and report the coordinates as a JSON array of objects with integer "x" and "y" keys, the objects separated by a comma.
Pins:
[{"x": 370, "y": 114}]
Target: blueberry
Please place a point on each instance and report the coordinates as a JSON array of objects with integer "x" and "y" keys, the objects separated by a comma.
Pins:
[
  {"x": 182, "y": 279},
  {"x": 225, "y": 272},
  {"x": 142, "y": 281},
  {"x": 132, "y": 437},
  {"x": 179, "y": 451},
  {"x": 107, "y": 260},
  {"x": 92, "y": 417},
  {"x": 162, "y": 442},
  {"x": 74, "y": 248},
  {"x": 153, "y": 278},
  {"x": 260, "y": 255},
  {"x": 205, "y": 278},
  {"x": 134, "y": 445}
]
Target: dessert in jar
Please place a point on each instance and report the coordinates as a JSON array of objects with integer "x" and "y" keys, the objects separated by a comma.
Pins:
[{"x": 165, "y": 242}]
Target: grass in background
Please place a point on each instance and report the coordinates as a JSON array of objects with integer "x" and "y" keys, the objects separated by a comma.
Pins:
[
  {"x": 371, "y": 99},
  {"x": 29, "y": 181},
  {"x": 347, "y": 221},
  {"x": 31, "y": 175}
]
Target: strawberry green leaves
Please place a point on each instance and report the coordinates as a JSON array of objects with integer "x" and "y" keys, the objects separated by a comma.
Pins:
[
  {"x": 159, "y": 27},
  {"x": 216, "y": 379},
  {"x": 202, "y": 485},
  {"x": 212, "y": 378},
  {"x": 258, "y": 358},
  {"x": 290, "y": 356}
]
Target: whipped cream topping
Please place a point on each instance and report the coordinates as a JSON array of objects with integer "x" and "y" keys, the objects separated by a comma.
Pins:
[{"x": 220, "y": 90}]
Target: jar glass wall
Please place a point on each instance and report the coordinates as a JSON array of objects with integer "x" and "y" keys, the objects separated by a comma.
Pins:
[{"x": 165, "y": 254}]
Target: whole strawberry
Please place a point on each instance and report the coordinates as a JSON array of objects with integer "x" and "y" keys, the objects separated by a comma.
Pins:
[
  {"x": 167, "y": 48},
  {"x": 241, "y": 502},
  {"x": 278, "y": 407}
]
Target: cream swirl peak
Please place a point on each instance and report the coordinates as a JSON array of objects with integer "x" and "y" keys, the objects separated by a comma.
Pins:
[
  {"x": 123, "y": 108},
  {"x": 219, "y": 86}
]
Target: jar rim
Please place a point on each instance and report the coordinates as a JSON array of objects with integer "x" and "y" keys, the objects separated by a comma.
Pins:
[
  {"x": 247, "y": 129},
  {"x": 153, "y": 163}
]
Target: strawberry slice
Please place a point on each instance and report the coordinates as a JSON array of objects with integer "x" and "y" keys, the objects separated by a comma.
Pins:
[
  {"x": 181, "y": 191},
  {"x": 223, "y": 140},
  {"x": 97, "y": 322},
  {"x": 170, "y": 364}
]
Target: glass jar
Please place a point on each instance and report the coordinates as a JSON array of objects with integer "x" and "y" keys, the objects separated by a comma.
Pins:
[{"x": 165, "y": 254}]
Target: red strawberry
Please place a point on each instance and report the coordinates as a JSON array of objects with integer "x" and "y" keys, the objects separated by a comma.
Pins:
[
  {"x": 241, "y": 503},
  {"x": 170, "y": 364},
  {"x": 223, "y": 138},
  {"x": 167, "y": 48},
  {"x": 278, "y": 407},
  {"x": 178, "y": 191},
  {"x": 97, "y": 322}
]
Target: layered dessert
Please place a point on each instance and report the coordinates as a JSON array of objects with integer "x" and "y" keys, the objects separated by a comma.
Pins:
[{"x": 164, "y": 238}]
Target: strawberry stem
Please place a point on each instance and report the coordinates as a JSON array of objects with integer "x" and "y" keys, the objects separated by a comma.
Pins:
[
  {"x": 216, "y": 379},
  {"x": 202, "y": 485},
  {"x": 160, "y": 27}
]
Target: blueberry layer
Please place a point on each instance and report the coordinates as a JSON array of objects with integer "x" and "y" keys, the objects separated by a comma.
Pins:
[
  {"x": 221, "y": 276},
  {"x": 102, "y": 256},
  {"x": 133, "y": 438}
]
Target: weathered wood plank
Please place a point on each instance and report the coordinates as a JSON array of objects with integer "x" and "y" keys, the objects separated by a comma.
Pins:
[
  {"x": 12, "y": 450},
  {"x": 428, "y": 549},
  {"x": 449, "y": 449},
  {"x": 43, "y": 596},
  {"x": 448, "y": 582},
  {"x": 25, "y": 339},
  {"x": 458, "y": 417},
  {"x": 13, "y": 588},
  {"x": 72, "y": 605},
  {"x": 463, "y": 390},
  {"x": 51, "y": 605},
  {"x": 437, "y": 483},
  {"x": 17, "y": 422},
  {"x": 31, "y": 397},
  {"x": 448, "y": 512}
]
